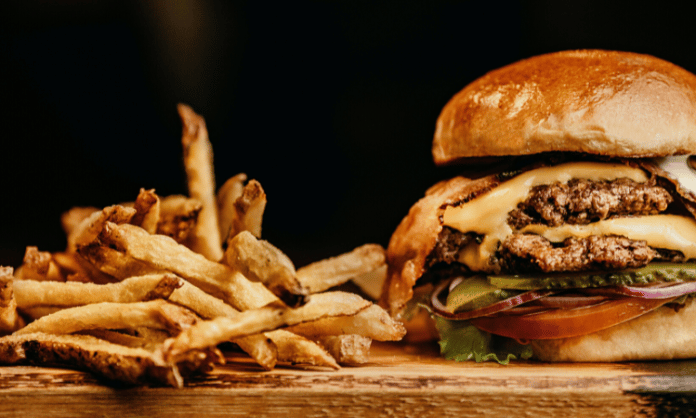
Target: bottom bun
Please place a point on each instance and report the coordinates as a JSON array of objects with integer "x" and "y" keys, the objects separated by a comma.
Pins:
[{"x": 663, "y": 334}]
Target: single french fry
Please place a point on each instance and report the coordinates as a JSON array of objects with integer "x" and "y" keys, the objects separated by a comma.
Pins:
[
  {"x": 260, "y": 261},
  {"x": 204, "y": 304},
  {"x": 71, "y": 267},
  {"x": 9, "y": 318},
  {"x": 325, "y": 274},
  {"x": 39, "y": 265},
  {"x": 270, "y": 317},
  {"x": 107, "y": 315},
  {"x": 260, "y": 348},
  {"x": 109, "y": 360},
  {"x": 198, "y": 162},
  {"x": 70, "y": 219},
  {"x": 77, "y": 269},
  {"x": 89, "y": 228},
  {"x": 227, "y": 195},
  {"x": 295, "y": 349},
  {"x": 161, "y": 252},
  {"x": 29, "y": 293},
  {"x": 371, "y": 282},
  {"x": 347, "y": 349},
  {"x": 35, "y": 264},
  {"x": 249, "y": 209},
  {"x": 373, "y": 322},
  {"x": 147, "y": 207},
  {"x": 115, "y": 263},
  {"x": 178, "y": 215},
  {"x": 128, "y": 340},
  {"x": 156, "y": 335},
  {"x": 147, "y": 338},
  {"x": 35, "y": 312}
]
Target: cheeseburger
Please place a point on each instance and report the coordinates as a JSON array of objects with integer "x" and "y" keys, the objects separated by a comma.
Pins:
[{"x": 572, "y": 235}]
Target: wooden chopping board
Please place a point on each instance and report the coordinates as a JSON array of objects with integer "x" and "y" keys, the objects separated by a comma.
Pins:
[{"x": 400, "y": 380}]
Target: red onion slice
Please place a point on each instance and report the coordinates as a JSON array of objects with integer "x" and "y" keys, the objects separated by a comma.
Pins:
[
  {"x": 523, "y": 310},
  {"x": 557, "y": 302},
  {"x": 659, "y": 291},
  {"x": 505, "y": 304}
]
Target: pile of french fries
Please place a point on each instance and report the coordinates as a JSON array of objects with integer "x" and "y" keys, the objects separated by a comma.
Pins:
[{"x": 161, "y": 288}]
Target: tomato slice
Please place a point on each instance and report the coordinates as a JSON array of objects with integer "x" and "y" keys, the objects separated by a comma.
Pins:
[{"x": 563, "y": 323}]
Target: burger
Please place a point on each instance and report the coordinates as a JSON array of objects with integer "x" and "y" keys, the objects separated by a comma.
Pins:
[{"x": 571, "y": 233}]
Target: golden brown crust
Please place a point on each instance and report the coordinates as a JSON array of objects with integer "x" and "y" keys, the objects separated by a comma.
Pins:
[
  {"x": 417, "y": 234},
  {"x": 598, "y": 102},
  {"x": 663, "y": 334}
]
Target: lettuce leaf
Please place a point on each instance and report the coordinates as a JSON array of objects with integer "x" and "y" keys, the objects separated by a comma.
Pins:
[{"x": 461, "y": 341}]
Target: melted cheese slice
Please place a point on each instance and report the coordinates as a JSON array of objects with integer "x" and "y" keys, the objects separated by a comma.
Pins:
[
  {"x": 672, "y": 232},
  {"x": 487, "y": 214}
]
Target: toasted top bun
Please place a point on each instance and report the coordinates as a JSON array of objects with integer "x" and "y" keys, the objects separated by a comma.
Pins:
[{"x": 598, "y": 102}]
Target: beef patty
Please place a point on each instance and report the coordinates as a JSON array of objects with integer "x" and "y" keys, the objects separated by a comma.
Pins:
[
  {"x": 576, "y": 202},
  {"x": 585, "y": 201},
  {"x": 527, "y": 252}
]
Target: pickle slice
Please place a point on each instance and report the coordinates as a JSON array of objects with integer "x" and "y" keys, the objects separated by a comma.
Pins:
[
  {"x": 473, "y": 293},
  {"x": 654, "y": 272}
]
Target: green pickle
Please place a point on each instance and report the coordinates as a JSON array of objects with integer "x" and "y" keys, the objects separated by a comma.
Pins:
[
  {"x": 473, "y": 293},
  {"x": 667, "y": 272}
]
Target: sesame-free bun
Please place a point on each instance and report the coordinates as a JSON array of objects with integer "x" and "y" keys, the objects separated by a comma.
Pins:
[
  {"x": 591, "y": 101},
  {"x": 663, "y": 334}
]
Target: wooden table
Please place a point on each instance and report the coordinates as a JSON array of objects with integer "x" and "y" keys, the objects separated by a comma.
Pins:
[{"x": 401, "y": 380}]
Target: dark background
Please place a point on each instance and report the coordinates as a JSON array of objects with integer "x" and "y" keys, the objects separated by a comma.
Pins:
[{"x": 331, "y": 105}]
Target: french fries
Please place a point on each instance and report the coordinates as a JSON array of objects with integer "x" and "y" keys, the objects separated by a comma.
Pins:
[
  {"x": 269, "y": 317},
  {"x": 163, "y": 253},
  {"x": 144, "y": 293},
  {"x": 259, "y": 346}
]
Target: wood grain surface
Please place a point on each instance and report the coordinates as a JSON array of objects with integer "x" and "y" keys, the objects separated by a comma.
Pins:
[{"x": 400, "y": 380}]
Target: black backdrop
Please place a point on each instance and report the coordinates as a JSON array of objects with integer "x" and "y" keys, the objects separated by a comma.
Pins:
[{"x": 330, "y": 105}]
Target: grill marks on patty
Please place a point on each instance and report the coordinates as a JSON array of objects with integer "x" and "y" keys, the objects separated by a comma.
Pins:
[
  {"x": 575, "y": 202},
  {"x": 584, "y": 201}
]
